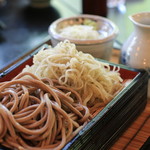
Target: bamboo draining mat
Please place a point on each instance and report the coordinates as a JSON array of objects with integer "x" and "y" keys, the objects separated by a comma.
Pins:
[{"x": 136, "y": 135}]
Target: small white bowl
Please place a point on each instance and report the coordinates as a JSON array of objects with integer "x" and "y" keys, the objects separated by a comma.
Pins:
[{"x": 99, "y": 48}]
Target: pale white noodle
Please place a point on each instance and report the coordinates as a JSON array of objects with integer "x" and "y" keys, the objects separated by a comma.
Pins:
[
  {"x": 92, "y": 79},
  {"x": 80, "y": 32}
]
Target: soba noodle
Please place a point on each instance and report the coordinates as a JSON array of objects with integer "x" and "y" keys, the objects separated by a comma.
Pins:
[
  {"x": 38, "y": 114},
  {"x": 92, "y": 79},
  {"x": 47, "y": 104}
]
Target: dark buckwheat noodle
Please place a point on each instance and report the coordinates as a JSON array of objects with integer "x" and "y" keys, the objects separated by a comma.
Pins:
[{"x": 39, "y": 114}]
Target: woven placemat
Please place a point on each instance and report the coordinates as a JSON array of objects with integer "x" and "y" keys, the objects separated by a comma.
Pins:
[{"x": 136, "y": 135}]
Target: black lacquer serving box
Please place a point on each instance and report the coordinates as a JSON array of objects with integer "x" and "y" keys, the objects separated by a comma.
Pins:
[{"x": 103, "y": 130}]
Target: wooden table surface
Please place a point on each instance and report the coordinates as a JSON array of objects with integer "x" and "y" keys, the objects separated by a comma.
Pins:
[{"x": 139, "y": 131}]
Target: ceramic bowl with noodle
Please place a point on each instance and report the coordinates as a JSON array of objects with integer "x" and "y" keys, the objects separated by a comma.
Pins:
[{"x": 92, "y": 34}]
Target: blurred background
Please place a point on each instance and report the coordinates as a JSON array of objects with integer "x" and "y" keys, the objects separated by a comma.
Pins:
[{"x": 24, "y": 23}]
